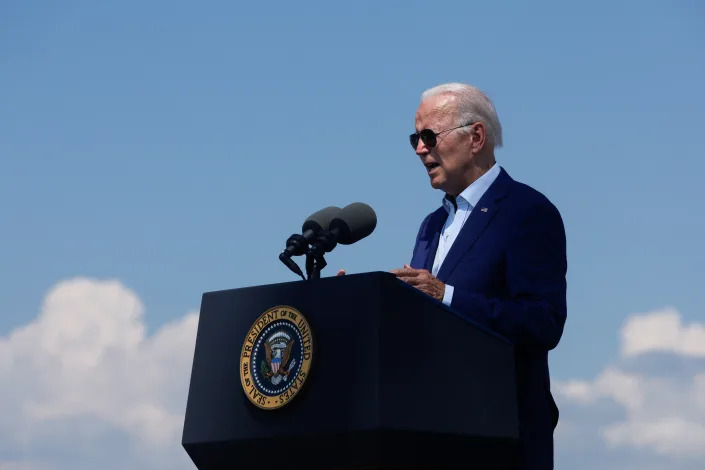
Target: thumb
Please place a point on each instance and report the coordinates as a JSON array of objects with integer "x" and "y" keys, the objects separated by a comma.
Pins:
[
  {"x": 341, "y": 273},
  {"x": 406, "y": 265}
]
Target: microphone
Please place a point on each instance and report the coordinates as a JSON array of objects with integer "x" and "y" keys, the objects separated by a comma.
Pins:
[
  {"x": 355, "y": 222},
  {"x": 297, "y": 244}
]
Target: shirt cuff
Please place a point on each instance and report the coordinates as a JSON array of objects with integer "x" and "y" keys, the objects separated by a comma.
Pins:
[{"x": 448, "y": 295}]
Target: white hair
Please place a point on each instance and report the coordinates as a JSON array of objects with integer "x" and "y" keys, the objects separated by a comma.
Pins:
[{"x": 473, "y": 106}]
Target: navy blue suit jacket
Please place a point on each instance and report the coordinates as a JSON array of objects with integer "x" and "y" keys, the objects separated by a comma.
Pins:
[{"x": 508, "y": 267}]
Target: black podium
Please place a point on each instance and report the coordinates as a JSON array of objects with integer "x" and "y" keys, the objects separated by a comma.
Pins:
[{"x": 397, "y": 380}]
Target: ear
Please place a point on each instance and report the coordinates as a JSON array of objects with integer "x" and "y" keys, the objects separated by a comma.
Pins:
[{"x": 478, "y": 134}]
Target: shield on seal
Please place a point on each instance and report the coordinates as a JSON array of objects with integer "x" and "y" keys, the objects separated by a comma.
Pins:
[
  {"x": 276, "y": 362},
  {"x": 278, "y": 348}
]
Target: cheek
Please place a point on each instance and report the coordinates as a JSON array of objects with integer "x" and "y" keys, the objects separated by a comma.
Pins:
[{"x": 449, "y": 161}]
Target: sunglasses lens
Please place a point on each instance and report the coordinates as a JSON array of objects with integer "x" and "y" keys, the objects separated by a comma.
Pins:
[{"x": 428, "y": 137}]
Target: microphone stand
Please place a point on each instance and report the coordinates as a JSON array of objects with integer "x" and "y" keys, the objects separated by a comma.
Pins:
[
  {"x": 315, "y": 261},
  {"x": 314, "y": 265}
]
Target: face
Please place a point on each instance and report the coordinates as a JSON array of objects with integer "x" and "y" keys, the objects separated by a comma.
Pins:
[{"x": 449, "y": 162}]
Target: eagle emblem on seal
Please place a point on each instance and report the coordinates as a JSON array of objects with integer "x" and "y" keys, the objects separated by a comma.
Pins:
[{"x": 277, "y": 351}]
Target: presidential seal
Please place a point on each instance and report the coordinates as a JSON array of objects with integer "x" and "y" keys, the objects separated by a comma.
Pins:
[{"x": 276, "y": 357}]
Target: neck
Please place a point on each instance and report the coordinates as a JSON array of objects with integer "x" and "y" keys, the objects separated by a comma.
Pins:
[{"x": 479, "y": 167}]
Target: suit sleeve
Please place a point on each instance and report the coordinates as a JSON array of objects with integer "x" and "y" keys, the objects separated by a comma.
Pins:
[{"x": 534, "y": 310}]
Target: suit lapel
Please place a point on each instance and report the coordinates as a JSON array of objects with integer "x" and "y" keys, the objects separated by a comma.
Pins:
[
  {"x": 487, "y": 207},
  {"x": 436, "y": 225}
]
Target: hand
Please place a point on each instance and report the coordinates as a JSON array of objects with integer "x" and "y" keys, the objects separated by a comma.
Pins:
[{"x": 422, "y": 280}]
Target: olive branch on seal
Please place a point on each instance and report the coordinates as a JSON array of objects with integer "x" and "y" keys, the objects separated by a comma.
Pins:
[{"x": 264, "y": 370}]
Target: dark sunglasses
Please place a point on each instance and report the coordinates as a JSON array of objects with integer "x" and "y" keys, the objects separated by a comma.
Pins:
[{"x": 429, "y": 137}]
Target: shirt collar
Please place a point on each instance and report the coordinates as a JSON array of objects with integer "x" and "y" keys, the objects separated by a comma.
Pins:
[{"x": 472, "y": 194}]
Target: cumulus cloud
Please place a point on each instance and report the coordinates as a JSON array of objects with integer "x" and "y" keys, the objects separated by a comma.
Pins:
[
  {"x": 84, "y": 386},
  {"x": 662, "y": 331},
  {"x": 656, "y": 417}
]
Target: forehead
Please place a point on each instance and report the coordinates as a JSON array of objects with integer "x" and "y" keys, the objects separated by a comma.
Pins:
[{"x": 439, "y": 110}]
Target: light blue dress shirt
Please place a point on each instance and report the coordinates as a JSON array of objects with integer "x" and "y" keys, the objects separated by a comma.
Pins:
[{"x": 466, "y": 202}]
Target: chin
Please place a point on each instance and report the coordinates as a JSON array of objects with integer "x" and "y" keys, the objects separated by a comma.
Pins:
[{"x": 437, "y": 184}]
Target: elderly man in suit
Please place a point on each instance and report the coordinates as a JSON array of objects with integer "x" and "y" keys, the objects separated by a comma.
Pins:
[{"x": 495, "y": 251}]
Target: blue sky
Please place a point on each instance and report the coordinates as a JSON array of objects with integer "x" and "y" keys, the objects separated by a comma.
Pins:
[{"x": 174, "y": 146}]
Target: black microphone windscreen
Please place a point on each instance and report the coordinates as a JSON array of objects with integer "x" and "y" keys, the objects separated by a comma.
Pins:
[
  {"x": 319, "y": 221},
  {"x": 355, "y": 222}
]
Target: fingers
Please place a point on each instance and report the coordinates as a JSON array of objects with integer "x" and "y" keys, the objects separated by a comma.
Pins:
[
  {"x": 408, "y": 272},
  {"x": 422, "y": 280},
  {"x": 417, "y": 281},
  {"x": 416, "y": 277}
]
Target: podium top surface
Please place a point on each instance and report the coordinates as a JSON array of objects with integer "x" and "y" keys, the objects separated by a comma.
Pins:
[{"x": 357, "y": 279}]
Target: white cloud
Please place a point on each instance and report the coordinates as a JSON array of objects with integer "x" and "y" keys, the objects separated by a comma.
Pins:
[
  {"x": 633, "y": 409},
  {"x": 675, "y": 436},
  {"x": 84, "y": 376},
  {"x": 662, "y": 331}
]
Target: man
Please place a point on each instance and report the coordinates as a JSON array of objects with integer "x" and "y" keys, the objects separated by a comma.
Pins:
[{"x": 495, "y": 250}]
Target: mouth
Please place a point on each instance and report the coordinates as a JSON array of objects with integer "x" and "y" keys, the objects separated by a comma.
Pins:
[{"x": 430, "y": 166}]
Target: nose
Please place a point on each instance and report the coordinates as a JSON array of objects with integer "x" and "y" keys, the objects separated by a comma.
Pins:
[{"x": 421, "y": 148}]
